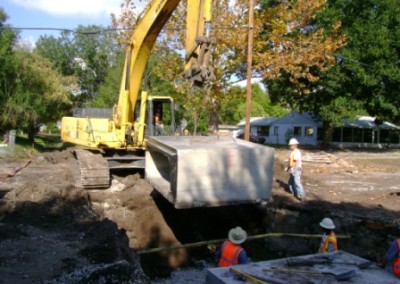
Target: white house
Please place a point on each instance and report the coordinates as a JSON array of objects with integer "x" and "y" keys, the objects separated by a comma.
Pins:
[
  {"x": 364, "y": 131},
  {"x": 259, "y": 126},
  {"x": 279, "y": 130},
  {"x": 303, "y": 127}
]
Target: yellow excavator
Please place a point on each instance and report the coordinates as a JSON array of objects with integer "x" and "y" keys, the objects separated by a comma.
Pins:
[{"x": 188, "y": 171}]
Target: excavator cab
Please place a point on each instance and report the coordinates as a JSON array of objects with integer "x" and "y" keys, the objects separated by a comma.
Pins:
[{"x": 160, "y": 116}]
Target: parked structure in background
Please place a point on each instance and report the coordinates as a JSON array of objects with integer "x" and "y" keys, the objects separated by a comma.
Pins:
[
  {"x": 366, "y": 132},
  {"x": 259, "y": 129},
  {"x": 277, "y": 130},
  {"x": 362, "y": 132},
  {"x": 226, "y": 130},
  {"x": 302, "y": 126}
]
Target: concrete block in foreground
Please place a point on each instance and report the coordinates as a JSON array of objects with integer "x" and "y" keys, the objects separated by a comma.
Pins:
[
  {"x": 201, "y": 171},
  {"x": 332, "y": 266}
]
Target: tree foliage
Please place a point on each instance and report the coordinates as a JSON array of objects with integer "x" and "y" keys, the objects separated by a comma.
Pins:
[
  {"x": 365, "y": 78},
  {"x": 108, "y": 93},
  {"x": 289, "y": 41},
  {"x": 369, "y": 66},
  {"x": 39, "y": 95},
  {"x": 7, "y": 63},
  {"x": 31, "y": 90},
  {"x": 234, "y": 111},
  {"x": 286, "y": 39},
  {"x": 86, "y": 54}
]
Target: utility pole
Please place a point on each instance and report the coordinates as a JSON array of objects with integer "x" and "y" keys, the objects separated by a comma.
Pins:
[{"x": 249, "y": 69}]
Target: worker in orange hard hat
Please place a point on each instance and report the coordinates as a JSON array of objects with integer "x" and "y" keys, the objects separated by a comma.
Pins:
[
  {"x": 329, "y": 241},
  {"x": 231, "y": 252}
]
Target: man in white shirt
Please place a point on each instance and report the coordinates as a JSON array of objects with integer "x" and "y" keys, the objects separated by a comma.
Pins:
[{"x": 294, "y": 168}]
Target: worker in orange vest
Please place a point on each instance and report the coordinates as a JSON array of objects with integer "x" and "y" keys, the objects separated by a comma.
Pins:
[
  {"x": 329, "y": 241},
  {"x": 393, "y": 257},
  {"x": 231, "y": 252}
]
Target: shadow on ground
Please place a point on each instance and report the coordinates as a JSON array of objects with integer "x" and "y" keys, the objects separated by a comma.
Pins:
[{"x": 57, "y": 238}]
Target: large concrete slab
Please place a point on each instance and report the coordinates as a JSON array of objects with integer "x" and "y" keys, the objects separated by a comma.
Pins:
[
  {"x": 338, "y": 263},
  {"x": 198, "y": 171}
]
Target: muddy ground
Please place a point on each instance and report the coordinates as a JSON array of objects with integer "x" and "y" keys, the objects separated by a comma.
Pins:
[{"x": 53, "y": 232}]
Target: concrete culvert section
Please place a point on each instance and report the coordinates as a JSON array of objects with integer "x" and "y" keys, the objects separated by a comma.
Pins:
[{"x": 209, "y": 171}]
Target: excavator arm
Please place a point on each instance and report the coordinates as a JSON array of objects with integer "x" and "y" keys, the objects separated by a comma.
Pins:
[
  {"x": 188, "y": 171},
  {"x": 198, "y": 48},
  {"x": 124, "y": 130}
]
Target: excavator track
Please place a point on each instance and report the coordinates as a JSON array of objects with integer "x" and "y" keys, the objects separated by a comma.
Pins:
[{"x": 94, "y": 172}]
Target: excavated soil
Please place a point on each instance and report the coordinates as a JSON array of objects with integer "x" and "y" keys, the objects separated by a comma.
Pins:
[
  {"x": 367, "y": 183},
  {"x": 53, "y": 232}
]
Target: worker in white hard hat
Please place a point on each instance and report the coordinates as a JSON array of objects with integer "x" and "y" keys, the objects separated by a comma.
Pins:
[
  {"x": 329, "y": 241},
  {"x": 231, "y": 252},
  {"x": 294, "y": 168}
]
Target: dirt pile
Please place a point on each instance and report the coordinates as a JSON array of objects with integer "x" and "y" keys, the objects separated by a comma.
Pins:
[
  {"x": 49, "y": 231},
  {"x": 135, "y": 211}
]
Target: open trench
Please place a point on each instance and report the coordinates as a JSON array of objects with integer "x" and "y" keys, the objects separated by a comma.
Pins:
[
  {"x": 151, "y": 221},
  {"x": 77, "y": 230},
  {"x": 369, "y": 236}
]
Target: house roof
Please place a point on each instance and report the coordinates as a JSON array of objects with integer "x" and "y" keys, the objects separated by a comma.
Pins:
[
  {"x": 369, "y": 122},
  {"x": 388, "y": 125},
  {"x": 259, "y": 121},
  {"x": 307, "y": 119},
  {"x": 296, "y": 118}
]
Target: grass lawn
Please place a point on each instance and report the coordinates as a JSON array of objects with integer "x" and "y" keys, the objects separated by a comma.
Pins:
[{"x": 43, "y": 143}]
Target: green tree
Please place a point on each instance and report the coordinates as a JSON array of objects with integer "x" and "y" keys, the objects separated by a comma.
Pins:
[
  {"x": 369, "y": 66},
  {"x": 108, "y": 93},
  {"x": 228, "y": 112},
  {"x": 366, "y": 77},
  {"x": 7, "y": 63},
  {"x": 60, "y": 51},
  {"x": 195, "y": 111},
  {"x": 235, "y": 110},
  {"x": 256, "y": 110},
  {"x": 95, "y": 52},
  {"x": 87, "y": 54},
  {"x": 39, "y": 96}
]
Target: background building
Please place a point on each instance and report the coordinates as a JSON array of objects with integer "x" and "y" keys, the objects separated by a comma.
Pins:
[{"x": 363, "y": 132}]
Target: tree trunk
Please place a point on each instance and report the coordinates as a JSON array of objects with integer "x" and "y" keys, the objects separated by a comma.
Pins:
[
  {"x": 213, "y": 122},
  {"x": 195, "y": 123},
  {"x": 31, "y": 132},
  {"x": 328, "y": 133}
]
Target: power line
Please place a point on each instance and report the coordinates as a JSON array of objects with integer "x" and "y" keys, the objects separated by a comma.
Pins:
[
  {"x": 99, "y": 31},
  {"x": 75, "y": 31}
]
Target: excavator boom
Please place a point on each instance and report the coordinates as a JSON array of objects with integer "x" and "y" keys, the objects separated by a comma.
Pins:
[
  {"x": 188, "y": 171},
  {"x": 124, "y": 130}
]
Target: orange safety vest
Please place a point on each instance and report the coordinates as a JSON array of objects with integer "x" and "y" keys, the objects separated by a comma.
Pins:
[
  {"x": 229, "y": 254},
  {"x": 396, "y": 263},
  {"x": 325, "y": 243}
]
